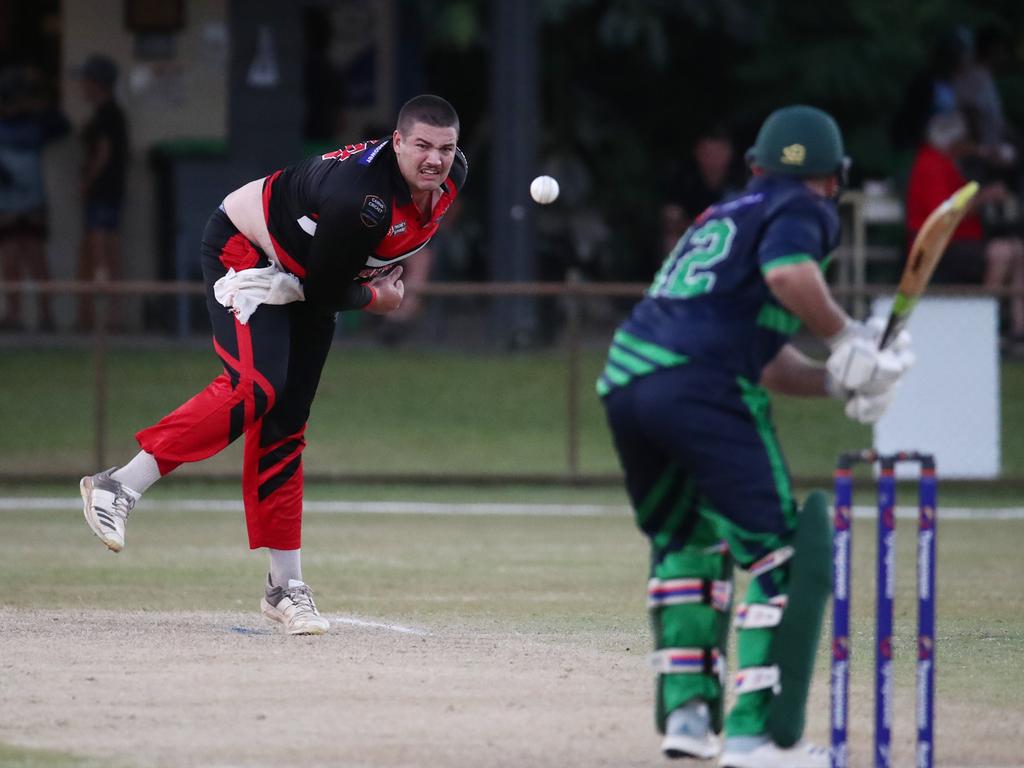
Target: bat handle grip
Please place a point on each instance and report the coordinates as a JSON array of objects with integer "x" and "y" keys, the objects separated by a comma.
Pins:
[{"x": 892, "y": 330}]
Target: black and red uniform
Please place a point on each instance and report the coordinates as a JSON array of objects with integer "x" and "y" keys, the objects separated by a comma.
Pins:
[{"x": 336, "y": 221}]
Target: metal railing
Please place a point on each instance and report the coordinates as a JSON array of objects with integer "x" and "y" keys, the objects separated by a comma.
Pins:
[{"x": 570, "y": 292}]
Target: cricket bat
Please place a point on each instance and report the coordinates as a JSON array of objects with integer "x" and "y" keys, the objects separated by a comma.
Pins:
[{"x": 928, "y": 247}]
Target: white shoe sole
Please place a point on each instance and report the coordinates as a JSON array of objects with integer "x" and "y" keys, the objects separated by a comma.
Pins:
[
  {"x": 85, "y": 487},
  {"x": 676, "y": 747},
  {"x": 774, "y": 758},
  {"x": 271, "y": 613}
]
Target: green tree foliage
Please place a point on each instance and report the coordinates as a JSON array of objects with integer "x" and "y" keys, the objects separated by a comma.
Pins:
[{"x": 628, "y": 84}]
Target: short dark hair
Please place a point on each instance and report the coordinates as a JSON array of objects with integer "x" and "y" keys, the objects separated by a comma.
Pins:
[
  {"x": 429, "y": 109},
  {"x": 99, "y": 69}
]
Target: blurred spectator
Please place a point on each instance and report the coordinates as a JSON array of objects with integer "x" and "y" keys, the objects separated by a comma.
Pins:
[
  {"x": 105, "y": 140},
  {"x": 979, "y": 100},
  {"x": 932, "y": 91},
  {"x": 998, "y": 155},
  {"x": 27, "y": 123},
  {"x": 969, "y": 258},
  {"x": 709, "y": 174}
]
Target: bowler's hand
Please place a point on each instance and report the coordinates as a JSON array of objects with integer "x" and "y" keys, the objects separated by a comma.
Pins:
[{"x": 389, "y": 291}]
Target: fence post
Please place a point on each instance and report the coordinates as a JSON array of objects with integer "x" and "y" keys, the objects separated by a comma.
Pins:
[
  {"x": 100, "y": 362},
  {"x": 572, "y": 373}
]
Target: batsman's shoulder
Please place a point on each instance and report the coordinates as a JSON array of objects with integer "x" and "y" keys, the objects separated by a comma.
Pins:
[{"x": 802, "y": 204}]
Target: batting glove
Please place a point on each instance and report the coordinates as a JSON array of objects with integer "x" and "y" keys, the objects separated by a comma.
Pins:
[
  {"x": 869, "y": 408},
  {"x": 857, "y": 365}
]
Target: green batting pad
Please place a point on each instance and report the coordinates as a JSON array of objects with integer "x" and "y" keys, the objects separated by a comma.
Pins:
[
  {"x": 694, "y": 625},
  {"x": 796, "y": 639},
  {"x": 749, "y": 713}
]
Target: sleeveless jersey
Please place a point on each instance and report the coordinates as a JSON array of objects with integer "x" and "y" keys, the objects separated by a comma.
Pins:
[
  {"x": 709, "y": 302},
  {"x": 340, "y": 219}
]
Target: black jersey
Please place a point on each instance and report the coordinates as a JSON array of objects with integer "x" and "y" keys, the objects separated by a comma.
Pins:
[{"x": 340, "y": 219}]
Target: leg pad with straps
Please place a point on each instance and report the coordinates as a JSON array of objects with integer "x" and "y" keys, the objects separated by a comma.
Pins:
[{"x": 689, "y": 598}]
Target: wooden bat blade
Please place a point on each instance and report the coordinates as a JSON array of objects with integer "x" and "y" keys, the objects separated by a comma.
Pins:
[{"x": 929, "y": 245}]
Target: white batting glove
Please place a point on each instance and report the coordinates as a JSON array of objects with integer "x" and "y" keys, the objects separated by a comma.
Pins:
[
  {"x": 856, "y": 364},
  {"x": 872, "y": 329},
  {"x": 868, "y": 408}
]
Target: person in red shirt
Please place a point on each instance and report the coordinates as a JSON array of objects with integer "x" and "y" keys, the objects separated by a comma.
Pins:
[{"x": 970, "y": 257}]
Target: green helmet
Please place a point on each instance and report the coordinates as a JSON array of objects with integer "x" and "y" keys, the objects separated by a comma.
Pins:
[{"x": 799, "y": 141}]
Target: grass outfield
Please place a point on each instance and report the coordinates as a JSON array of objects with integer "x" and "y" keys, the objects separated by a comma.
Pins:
[
  {"x": 561, "y": 580},
  {"x": 14, "y": 757},
  {"x": 184, "y": 485},
  {"x": 387, "y": 411}
]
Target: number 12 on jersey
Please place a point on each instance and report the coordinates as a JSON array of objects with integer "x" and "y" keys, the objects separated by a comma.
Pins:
[{"x": 687, "y": 270}]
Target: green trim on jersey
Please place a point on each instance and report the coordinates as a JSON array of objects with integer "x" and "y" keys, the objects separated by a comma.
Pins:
[
  {"x": 674, "y": 522},
  {"x": 775, "y": 318},
  {"x": 782, "y": 261},
  {"x": 656, "y": 495},
  {"x": 630, "y": 357},
  {"x": 629, "y": 361},
  {"x": 665, "y": 358},
  {"x": 757, "y": 400}
]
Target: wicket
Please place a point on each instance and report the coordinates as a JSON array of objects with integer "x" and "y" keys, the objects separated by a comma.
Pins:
[{"x": 886, "y": 577}]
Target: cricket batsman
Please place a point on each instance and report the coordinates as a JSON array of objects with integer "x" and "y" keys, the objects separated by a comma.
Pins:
[{"x": 685, "y": 391}]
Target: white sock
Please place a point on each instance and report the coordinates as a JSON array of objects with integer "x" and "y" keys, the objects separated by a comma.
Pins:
[
  {"x": 139, "y": 473},
  {"x": 285, "y": 566}
]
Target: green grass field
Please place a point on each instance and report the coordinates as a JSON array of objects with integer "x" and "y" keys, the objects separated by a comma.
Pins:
[
  {"x": 13, "y": 757},
  {"x": 385, "y": 411}
]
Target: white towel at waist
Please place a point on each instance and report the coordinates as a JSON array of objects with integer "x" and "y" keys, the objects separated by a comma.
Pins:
[{"x": 243, "y": 292}]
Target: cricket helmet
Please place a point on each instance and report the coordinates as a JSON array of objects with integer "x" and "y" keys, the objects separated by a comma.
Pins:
[{"x": 799, "y": 141}]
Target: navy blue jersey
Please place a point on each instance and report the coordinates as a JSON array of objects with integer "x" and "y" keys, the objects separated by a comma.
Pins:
[
  {"x": 340, "y": 219},
  {"x": 709, "y": 302}
]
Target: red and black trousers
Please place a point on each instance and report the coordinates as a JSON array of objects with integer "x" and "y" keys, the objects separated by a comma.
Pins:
[{"x": 272, "y": 367}]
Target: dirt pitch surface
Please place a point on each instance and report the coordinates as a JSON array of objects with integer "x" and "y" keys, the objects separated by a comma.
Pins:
[
  {"x": 223, "y": 689},
  {"x": 215, "y": 690},
  {"x": 206, "y": 689}
]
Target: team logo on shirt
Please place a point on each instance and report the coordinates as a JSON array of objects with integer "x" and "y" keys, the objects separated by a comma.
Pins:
[
  {"x": 372, "y": 212},
  {"x": 345, "y": 152},
  {"x": 794, "y": 154}
]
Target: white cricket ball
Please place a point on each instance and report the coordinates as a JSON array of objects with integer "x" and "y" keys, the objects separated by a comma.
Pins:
[{"x": 544, "y": 190}]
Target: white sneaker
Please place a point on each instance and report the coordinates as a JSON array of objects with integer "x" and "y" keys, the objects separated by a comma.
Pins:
[
  {"x": 761, "y": 752},
  {"x": 107, "y": 504},
  {"x": 293, "y": 607},
  {"x": 688, "y": 733}
]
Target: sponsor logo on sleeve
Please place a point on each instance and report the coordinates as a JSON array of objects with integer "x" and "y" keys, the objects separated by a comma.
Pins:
[{"x": 368, "y": 158}]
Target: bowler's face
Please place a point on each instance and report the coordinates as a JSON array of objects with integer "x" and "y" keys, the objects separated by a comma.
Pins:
[{"x": 425, "y": 154}]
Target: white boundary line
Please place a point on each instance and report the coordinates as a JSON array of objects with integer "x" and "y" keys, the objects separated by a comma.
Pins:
[
  {"x": 23, "y": 503},
  {"x": 352, "y": 620}
]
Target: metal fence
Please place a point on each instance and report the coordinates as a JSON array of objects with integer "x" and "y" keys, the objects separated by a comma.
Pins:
[{"x": 571, "y": 295}]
